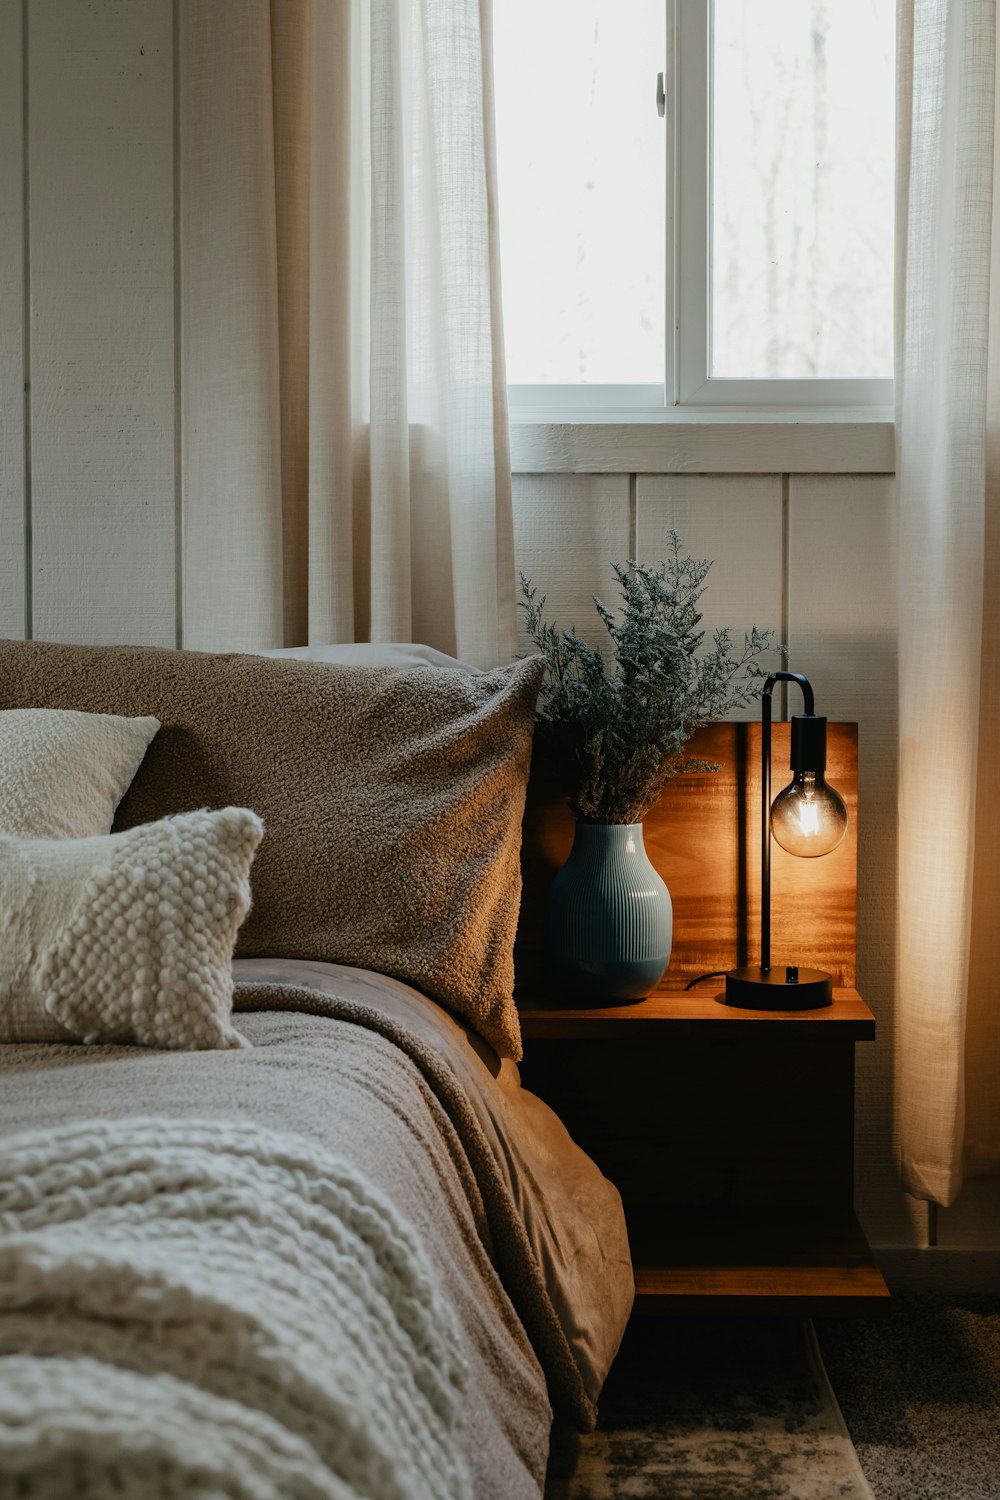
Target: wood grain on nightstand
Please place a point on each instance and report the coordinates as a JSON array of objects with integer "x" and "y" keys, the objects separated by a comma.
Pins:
[
  {"x": 696, "y": 1012},
  {"x": 704, "y": 839}
]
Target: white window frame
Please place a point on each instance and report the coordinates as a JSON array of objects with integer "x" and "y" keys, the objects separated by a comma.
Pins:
[{"x": 688, "y": 388}]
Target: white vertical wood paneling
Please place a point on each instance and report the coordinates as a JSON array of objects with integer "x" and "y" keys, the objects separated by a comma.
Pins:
[
  {"x": 842, "y": 635},
  {"x": 100, "y": 79},
  {"x": 973, "y": 1221},
  {"x": 568, "y": 530},
  {"x": 12, "y": 369},
  {"x": 736, "y": 521}
]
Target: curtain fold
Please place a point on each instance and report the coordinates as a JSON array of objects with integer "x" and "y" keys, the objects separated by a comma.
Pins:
[
  {"x": 345, "y": 454},
  {"x": 947, "y": 1052}
]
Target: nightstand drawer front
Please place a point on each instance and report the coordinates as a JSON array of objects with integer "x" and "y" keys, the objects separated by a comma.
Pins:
[{"x": 708, "y": 1124}]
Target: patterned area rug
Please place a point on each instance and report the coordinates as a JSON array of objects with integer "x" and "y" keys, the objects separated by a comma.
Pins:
[{"x": 713, "y": 1409}]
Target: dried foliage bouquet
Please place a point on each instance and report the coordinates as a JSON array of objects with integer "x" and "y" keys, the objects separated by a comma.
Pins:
[{"x": 618, "y": 728}]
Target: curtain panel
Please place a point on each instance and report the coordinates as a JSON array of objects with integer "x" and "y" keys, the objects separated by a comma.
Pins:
[
  {"x": 345, "y": 457},
  {"x": 948, "y": 488}
]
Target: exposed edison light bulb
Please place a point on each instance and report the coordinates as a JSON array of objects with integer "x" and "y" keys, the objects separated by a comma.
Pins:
[{"x": 809, "y": 817}]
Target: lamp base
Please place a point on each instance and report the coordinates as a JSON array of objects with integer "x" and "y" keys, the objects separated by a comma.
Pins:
[{"x": 781, "y": 987}]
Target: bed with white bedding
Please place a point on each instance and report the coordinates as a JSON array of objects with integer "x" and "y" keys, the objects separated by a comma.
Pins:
[{"x": 345, "y": 1255}]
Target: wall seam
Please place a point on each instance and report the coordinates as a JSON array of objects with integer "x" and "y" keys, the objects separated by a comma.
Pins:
[
  {"x": 633, "y": 516},
  {"x": 786, "y": 564},
  {"x": 26, "y": 326},
  {"x": 178, "y": 346}
]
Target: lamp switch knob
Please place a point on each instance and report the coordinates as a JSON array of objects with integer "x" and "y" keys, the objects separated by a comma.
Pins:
[{"x": 791, "y": 974}]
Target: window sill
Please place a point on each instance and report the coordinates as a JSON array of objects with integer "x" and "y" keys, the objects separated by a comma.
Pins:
[{"x": 707, "y": 441}]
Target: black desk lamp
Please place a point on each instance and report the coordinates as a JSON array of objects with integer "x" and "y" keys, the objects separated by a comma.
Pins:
[{"x": 808, "y": 819}]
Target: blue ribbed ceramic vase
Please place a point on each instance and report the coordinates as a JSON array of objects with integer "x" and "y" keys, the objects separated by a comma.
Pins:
[{"x": 609, "y": 920}]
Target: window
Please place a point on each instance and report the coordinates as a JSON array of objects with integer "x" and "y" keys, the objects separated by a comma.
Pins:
[{"x": 736, "y": 251}]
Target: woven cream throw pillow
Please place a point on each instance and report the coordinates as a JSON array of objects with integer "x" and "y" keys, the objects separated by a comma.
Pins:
[
  {"x": 63, "y": 773},
  {"x": 129, "y": 937}
]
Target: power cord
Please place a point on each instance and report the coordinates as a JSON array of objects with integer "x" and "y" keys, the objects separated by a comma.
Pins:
[{"x": 716, "y": 974}]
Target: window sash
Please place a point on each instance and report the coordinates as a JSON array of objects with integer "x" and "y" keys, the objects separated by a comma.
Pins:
[
  {"x": 690, "y": 53},
  {"x": 687, "y": 382}
]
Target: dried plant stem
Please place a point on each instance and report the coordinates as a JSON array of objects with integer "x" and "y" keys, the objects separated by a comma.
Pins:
[{"x": 619, "y": 728}]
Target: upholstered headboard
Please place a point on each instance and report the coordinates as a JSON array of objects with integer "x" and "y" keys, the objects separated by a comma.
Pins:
[{"x": 704, "y": 839}]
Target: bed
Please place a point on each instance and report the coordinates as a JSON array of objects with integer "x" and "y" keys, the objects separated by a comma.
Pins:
[{"x": 295, "y": 1229}]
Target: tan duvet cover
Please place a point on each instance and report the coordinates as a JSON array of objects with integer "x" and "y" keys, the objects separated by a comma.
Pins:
[{"x": 524, "y": 1235}]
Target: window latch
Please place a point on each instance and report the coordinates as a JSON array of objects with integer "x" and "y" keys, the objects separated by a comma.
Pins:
[{"x": 661, "y": 97}]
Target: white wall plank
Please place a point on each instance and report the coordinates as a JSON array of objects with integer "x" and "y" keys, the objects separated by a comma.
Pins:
[
  {"x": 567, "y": 533},
  {"x": 705, "y": 442},
  {"x": 101, "y": 248},
  {"x": 12, "y": 519},
  {"x": 842, "y": 635},
  {"x": 735, "y": 520},
  {"x": 973, "y": 1221}
]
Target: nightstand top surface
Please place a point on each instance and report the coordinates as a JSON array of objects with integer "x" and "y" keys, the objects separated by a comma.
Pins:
[{"x": 698, "y": 1012}]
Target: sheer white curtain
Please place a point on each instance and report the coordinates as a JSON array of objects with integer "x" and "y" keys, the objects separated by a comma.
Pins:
[
  {"x": 948, "y": 485},
  {"x": 345, "y": 452}
]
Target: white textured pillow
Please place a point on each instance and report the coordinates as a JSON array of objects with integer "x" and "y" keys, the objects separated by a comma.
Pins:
[
  {"x": 63, "y": 773},
  {"x": 129, "y": 937}
]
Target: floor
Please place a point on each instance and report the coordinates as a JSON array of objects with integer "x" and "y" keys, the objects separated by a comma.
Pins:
[
  {"x": 920, "y": 1392},
  {"x": 919, "y": 1389},
  {"x": 712, "y": 1409}
]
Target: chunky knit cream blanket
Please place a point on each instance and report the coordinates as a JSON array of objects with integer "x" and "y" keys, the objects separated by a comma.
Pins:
[{"x": 208, "y": 1309}]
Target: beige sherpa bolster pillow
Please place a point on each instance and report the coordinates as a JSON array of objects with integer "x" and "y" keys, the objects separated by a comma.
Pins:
[
  {"x": 392, "y": 798},
  {"x": 129, "y": 937},
  {"x": 62, "y": 773}
]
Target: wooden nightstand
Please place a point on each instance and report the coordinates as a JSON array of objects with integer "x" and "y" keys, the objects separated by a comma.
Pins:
[{"x": 730, "y": 1135}]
